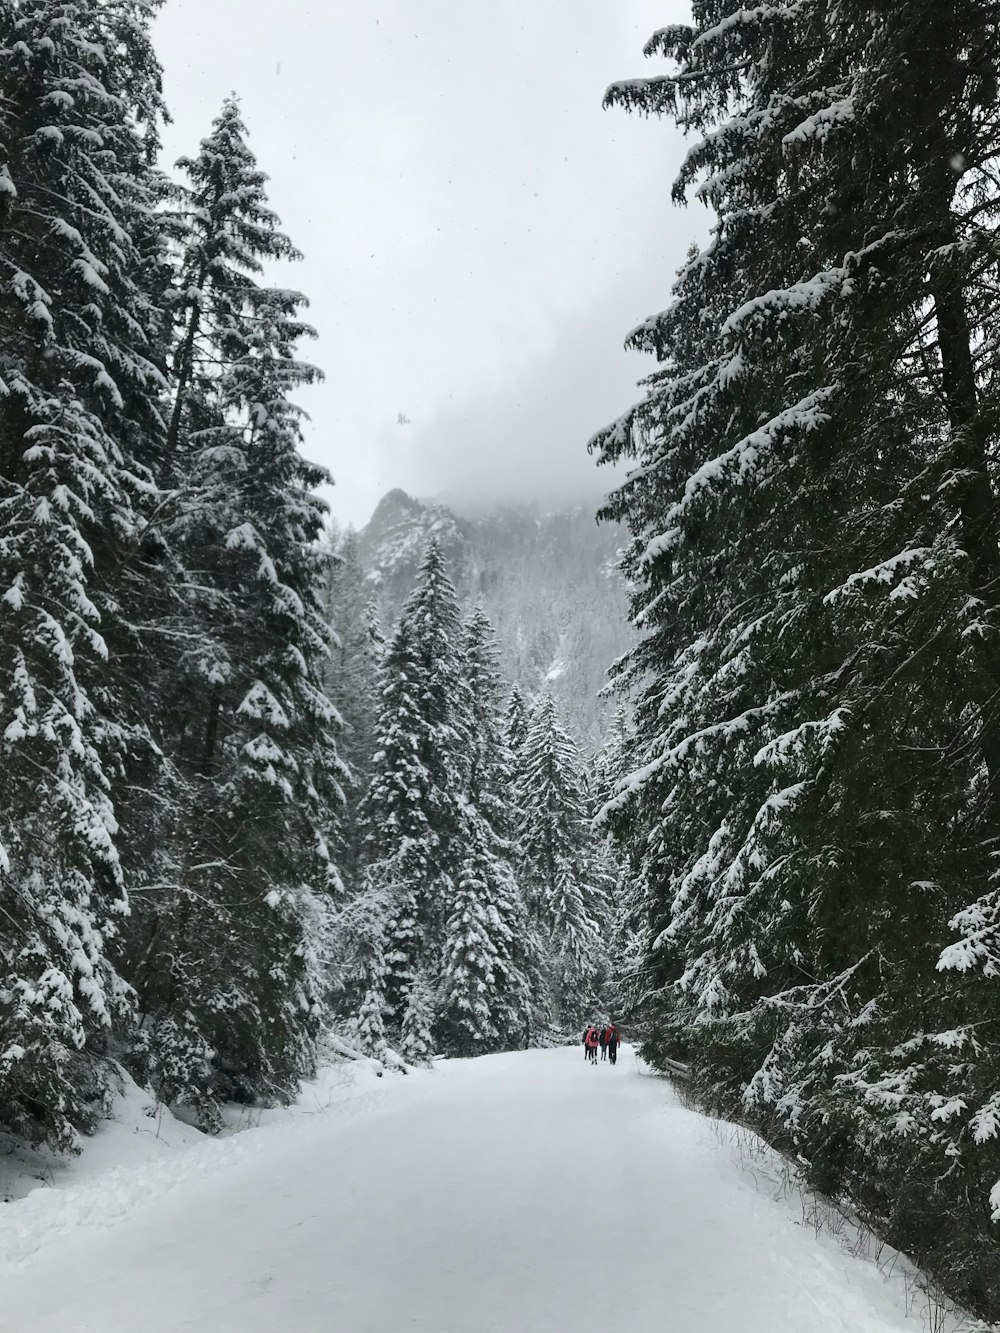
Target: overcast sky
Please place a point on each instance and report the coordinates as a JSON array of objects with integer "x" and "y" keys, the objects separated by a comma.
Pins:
[{"x": 479, "y": 235}]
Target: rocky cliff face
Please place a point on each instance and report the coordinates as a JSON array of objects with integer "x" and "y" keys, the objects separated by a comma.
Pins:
[{"x": 548, "y": 581}]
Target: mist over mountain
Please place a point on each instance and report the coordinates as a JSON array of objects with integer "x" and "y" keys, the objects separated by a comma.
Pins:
[{"x": 548, "y": 580}]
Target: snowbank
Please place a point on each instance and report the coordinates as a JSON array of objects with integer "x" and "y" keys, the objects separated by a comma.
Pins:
[{"x": 143, "y": 1152}]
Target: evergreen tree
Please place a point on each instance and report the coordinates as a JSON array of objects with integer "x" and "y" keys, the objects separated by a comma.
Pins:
[
  {"x": 516, "y": 997},
  {"x": 439, "y": 821},
  {"x": 490, "y": 760},
  {"x": 516, "y": 721},
  {"x": 80, "y": 379},
  {"x": 370, "y": 1008},
  {"x": 468, "y": 1015},
  {"x": 233, "y": 936},
  {"x": 816, "y": 573},
  {"x": 564, "y": 884},
  {"x": 418, "y": 1023},
  {"x": 351, "y": 676},
  {"x": 371, "y": 1029},
  {"x": 628, "y": 940},
  {"x": 414, "y": 811}
]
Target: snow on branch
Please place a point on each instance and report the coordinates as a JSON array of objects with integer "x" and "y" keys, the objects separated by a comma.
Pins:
[
  {"x": 790, "y": 743},
  {"x": 884, "y": 572},
  {"x": 695, "y": 741},
  {"x": 805, "y": 415},
  {"x": 750, "y": 18},
  {"x": 807, "y": 295},
  {"x": 819, "y": 125}
]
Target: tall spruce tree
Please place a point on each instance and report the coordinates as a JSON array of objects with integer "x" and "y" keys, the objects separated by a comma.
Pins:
[
  {"x": 227, "y": 957},
  {"x": 492, "y": 921},
  {"x": 490, "y": 765},
  {"x": 80, "y": 383},
  {"x": 371, "y": 1029},
  {"x": 414, "y": 810},
  {"x": 418, "y": 1023},
  {"x": 351, "y": 676},
  {"x": 816, "y": 574},
  {"x": 516, "y": 720},
  {"x": 628, "y": 939},
  {"x": 563, "y": 877},
  {"x": 468, "y": 1014}
]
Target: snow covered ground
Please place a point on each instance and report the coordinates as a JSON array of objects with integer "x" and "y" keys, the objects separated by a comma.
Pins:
[{"x": 525, "y": 1193}]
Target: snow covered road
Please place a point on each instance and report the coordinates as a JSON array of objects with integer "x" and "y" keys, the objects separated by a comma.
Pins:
[{"x": 524, "y": 1193}]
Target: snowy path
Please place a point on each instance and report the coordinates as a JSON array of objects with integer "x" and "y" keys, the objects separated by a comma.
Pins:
[{"x": 523, "y": 1194}]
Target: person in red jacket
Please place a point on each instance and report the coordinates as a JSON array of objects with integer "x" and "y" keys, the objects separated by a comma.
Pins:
[
  {"x": 612, "y": 1037},
  {"x": 590, "y": 1043}
]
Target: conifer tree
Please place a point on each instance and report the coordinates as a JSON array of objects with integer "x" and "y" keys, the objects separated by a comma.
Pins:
[
  {"x": 80, "y": 382},
  {"x": 368, "y": 994},
  {"x": 351, "y": 678},
  {"x": 515, "y": 994},
  {"x": 350, "y": 674},
  {"x": 628, "y": 940},
  {"x": 418, "y": 1023},
  {"x": 564, "y": 884},
  {"x": 371, "y": 1029},
  {"x": 816, "y": 574},
  {"x": 414, "y": 811},
  {"x": 469, "y": 977},
  {"x": 516, "y": 720},
  {"x": 233, "y": 936},
  {"x": 490, "y": 760}
]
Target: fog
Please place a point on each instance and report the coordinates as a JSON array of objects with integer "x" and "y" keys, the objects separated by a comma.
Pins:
[{"x": 479, "y": 234}]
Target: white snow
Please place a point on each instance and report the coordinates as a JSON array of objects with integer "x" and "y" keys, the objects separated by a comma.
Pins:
[
  {"x": 528, "y": 1193},
  {"x": 556, "y": 670},
  {"x": 820, "y": 124}
]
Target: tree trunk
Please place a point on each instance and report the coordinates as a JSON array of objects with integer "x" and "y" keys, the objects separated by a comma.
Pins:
[
  {"x": 976, "y": 501},
  {"x": 183, "y": 371},
  {"x": 211, "y": 735}
]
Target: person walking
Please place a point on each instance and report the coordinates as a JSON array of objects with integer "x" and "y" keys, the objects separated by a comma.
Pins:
[
  {"x": 612, "y": 1037},
  {"x": 603, "y": 1039},
  {"x": 590, "y": 1041}
]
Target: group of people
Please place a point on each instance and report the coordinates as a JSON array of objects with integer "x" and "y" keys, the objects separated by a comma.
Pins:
[{"x": 604, "y": 1040}]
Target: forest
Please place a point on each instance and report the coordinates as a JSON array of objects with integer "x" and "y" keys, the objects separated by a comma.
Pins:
[
  {"x": 238, "y": 812},
  {"x": 233, "y": 812},
  {"x": 814, "y": 792}
]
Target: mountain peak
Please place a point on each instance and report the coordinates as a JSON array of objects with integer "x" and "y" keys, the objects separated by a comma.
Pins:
[
  {"x": 393, "y": 506},
  {"x": 547, "y": 581}
]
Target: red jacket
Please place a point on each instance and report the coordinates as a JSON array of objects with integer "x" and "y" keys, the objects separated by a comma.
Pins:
[
  {"x": 591, "y": 1038},
  {"x": 612, "y": 1035}
]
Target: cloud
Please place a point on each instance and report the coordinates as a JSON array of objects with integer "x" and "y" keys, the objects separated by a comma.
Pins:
[
  {"x": 479, "y": 234},
  {"x": 526, "y": 439}
]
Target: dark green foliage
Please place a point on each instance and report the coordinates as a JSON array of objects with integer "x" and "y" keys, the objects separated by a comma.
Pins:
[
  {"x": 563, "y": 870},
  {"x": 169, "y": 781},
  {"x": 80, "y": 379},
  {"x": 225, "y": 936},
  {"x": 447, "y": 854},
  {"x": 816, "y": 572}
]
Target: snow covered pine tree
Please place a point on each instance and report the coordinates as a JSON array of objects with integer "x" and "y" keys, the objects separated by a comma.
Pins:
[
  {"x": 226, "y": 951},
  {"x": 816, "y": 571},
  {"x": 351, "y": 677},
  {"x": 493, "y": 993},
  {"x": 438, "y": 823},
  {"x": 414, "y": 809},
  {"x": 79, "y": 434},
  {"x": 563, "y": 876}
]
